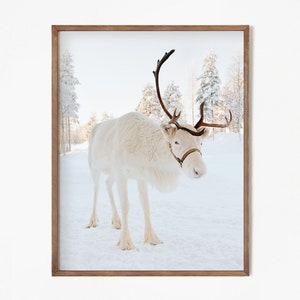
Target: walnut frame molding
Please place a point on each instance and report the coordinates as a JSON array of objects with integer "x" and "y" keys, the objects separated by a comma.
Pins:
[{"x": 56, "y": 268}]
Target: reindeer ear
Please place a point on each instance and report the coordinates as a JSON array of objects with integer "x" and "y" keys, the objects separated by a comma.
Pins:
[{"x": 168, "y": 131}]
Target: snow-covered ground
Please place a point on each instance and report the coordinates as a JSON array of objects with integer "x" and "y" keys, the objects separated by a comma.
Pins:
[{"x": 200, "y": 222}]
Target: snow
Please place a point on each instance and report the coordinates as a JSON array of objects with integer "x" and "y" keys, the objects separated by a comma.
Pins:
[{"x": 200, "y": 223}]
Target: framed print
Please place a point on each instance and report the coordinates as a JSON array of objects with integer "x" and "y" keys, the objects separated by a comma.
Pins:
[{"x": 150, "y": 150}]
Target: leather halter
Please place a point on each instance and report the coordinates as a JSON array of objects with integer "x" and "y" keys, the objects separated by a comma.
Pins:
[{"x": 185, "y": 155}]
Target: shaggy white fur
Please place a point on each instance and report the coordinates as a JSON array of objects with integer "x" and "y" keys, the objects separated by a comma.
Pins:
[{"x": 134, "y": 146}]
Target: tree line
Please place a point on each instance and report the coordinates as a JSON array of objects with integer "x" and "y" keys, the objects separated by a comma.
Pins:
[
  {"x": 218, "y": 97},
  {"x": 206, "y": 87}
]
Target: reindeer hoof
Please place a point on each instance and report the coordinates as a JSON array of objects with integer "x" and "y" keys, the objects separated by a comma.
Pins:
[
  {"x": 91, "y": 225},
  {"x": 156, "y": 243},
  {"x": 126, "y": 245},
  {"x": 116, "y": 223},
  {"x": 93, "y": 222},
  {"x": 152, "y": 239}
]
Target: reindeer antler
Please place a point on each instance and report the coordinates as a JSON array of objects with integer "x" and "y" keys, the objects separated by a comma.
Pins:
[
  {"x": 174, "y": 118},
  {"x": 156, "y": 75},
  {"x": 201, "y": 122}
]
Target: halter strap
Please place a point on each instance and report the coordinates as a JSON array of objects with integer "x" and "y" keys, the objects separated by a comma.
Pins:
[{"x": 185, "y": 155}]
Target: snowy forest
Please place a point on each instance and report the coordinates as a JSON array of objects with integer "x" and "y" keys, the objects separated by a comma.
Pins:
[
  {"x": 71, "y": 132},
  {"x": 205, "y": 87},
  {"x": 208, "y": 88}
]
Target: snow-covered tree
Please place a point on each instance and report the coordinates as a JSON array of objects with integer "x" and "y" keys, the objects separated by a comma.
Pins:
[
  {"x": 78, "y": 135},
  {"x": 172, "y": 100},
  {"x": 209, "y": 87},
  {"x": 90, "y": 125},
  {"x": 68, "y": 106},
  {"x": 105, "y": 116},
  {"x": 149, "y": 104},
  {"x": 232, "y": 93}
]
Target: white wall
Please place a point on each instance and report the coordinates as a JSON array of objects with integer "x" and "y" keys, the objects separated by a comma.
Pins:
[{"x": 25, "y": 160}]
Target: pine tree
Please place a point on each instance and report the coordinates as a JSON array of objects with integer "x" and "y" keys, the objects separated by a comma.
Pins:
[
  {"x": 68, "y": 106},
  {"x": 149, "y": 104},
  {"x": 105, "y": 116},
  {"x": 233, "y": 94},
  {"x": 172, "y": 100},
  {"x": 209, "y": 87},
  {"x": 90, "y": 125}
]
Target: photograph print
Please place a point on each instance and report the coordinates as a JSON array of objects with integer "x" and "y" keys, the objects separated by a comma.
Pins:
[{"x": 150, "y": 150}]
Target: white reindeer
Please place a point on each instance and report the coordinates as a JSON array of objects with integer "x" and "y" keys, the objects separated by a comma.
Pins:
[{"x": 134, "y": 146}]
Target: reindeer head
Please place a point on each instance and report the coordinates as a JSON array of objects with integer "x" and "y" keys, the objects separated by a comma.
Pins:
[{"x": 185, "y": 140}]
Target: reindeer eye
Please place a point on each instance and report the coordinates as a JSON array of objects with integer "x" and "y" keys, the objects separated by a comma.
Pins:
[{"x": 176, "y": 143}]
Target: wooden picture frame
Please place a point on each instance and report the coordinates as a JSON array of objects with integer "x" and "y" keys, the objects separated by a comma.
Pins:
[{"x": 60, "y": 217}]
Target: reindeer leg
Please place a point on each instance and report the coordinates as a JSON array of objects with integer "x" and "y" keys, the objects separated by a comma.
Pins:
[
  {"x": 150, "y": 236},
  {"x": 125, "y": 242},
  {"x": 94, "y": 218},
  {"x": 115, "y": 219}
]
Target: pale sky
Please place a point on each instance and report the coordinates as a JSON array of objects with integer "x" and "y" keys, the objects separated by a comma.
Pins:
[{"x": 113, "y": 67}]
